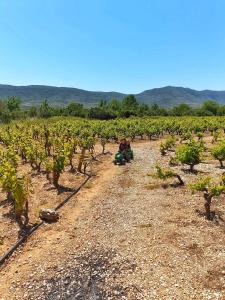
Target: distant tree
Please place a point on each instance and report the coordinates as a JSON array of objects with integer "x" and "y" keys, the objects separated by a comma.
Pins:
[
  {"x": 102, "y": 103},
  {"x": 5, "y": 116},
  {"x": 114, "y": 105},
  {"x": 75, "y": 109},
  {"x": 57, "y": 111},
  {"x": 202, "y": 112},
  {"x": 2, "y": 106},
  {"x": 163, "y": 111},
  {"x": 32, "y": 112},
  {"x": 45, "y": 110},
  {"x": 13, "y": 103},
  {"x": 155, "y": 107},
  {"x": 143, "y": 109},
  {"x": 129, "y": 106},
  {"x": 182, "y": 109},
  {"x": 129, "y": 102},
  {"x": 156, "y": 110},
  {"x": 221, "y": 110},
  {"x": 100, "y": 113},
  {"x": 210, "y": 106}
]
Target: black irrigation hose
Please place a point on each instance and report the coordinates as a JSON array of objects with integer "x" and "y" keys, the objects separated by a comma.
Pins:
[
  {"x": 18, "y": 243},
  {"x": 72, "y": 194},
  {"x": 35, "y": 227}
]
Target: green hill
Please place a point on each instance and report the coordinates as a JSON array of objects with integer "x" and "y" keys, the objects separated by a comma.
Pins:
[{"x": 59, "y": 96}]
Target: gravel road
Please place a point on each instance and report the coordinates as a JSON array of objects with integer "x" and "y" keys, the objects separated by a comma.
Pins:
[{"x": 132, "y": 242}]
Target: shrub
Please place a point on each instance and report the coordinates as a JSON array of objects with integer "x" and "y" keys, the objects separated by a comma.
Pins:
[
  {"x": 190, "y": 153},
  {"x": 186, "y": 136},
  {"x": 200, "y": 135},
  {"x": 219, "y": 153},
  {"x": 164, "y": 174},
  {"x": 211, "y": 189},
  {"x": 167, "y": 145},
  {"x": 215, "y": 135}
]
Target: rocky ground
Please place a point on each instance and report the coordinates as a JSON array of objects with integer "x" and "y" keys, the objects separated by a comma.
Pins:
[{"x": 125, "y": 236}]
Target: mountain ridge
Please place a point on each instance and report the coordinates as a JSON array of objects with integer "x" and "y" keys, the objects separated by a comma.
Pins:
[{"x": 59, "y": 96}]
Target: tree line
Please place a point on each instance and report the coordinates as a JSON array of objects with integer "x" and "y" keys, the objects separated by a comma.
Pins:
[{"x": 11, "y": 108}]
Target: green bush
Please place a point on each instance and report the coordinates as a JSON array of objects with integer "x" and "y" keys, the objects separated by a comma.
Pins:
[
  {"x": 190, "y": 153},
  {"x": 164, "y": 174},
  {"x": 211, "y": 189},
  {"x": 167, "y": 145},
  {"x": 219, "y": 153}
]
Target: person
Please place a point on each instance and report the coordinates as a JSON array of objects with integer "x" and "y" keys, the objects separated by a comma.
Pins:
[
  {"x": 120, "y": 155},
  {"x": 128, "y": 153},
  {"x": 128, "y": 147},
  {"x": 122, "y": 146}
]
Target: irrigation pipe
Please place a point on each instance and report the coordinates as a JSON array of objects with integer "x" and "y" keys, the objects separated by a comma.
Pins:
[
  {"x": 24, "y": 238},
  {"x": 18, "y": 243}
]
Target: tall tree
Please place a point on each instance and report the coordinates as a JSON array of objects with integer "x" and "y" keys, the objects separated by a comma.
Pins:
[
  {"x": 182, "y": 109},
  {"x": 114, "y": 105},
  {"x": 129, "y": 102},
  {"x": 75, "y": 109},
  {"x": 13, "y": 103},
  {"x": 211, "y": 106},
  {"x": 45, "y": 109}
]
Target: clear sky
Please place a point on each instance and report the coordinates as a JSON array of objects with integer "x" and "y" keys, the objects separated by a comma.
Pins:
[{"x": 121, "y": 45}]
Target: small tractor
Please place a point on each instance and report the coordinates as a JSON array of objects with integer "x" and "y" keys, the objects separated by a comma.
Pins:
[
  {"x": 119, "y": 159},
  {"x": 122, "y": 158}
]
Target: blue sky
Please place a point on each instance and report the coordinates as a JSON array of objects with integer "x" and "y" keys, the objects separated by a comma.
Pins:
[{"x": 121, "y": 45}]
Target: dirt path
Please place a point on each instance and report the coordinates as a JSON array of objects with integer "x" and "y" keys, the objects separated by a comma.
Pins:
[{"x": 122, "y": 240}]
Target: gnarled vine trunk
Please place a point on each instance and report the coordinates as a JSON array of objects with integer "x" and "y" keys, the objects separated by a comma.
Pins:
[
  {"x": 181, "y": 182},
  {"x": 81, "y": 159},
  {"x": 208, "y": 201},
  {"x": 55, "y": 178}
]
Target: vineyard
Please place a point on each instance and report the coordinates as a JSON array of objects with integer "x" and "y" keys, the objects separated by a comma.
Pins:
[{"x": 42, "y": 161}]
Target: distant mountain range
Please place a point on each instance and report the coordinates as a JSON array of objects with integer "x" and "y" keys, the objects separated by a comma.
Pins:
[{"x": 59, "y": 96}]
